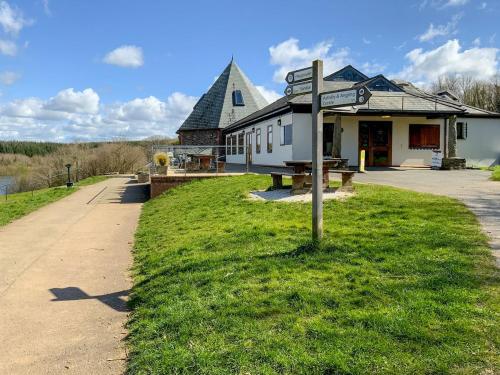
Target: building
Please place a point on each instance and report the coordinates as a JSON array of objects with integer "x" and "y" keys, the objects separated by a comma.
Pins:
[
  {"x": 231, "y": 98},
  {"x": 400, "y": 125}
]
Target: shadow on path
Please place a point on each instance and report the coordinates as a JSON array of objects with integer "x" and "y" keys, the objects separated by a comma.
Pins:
[{"x": 114, "y": 300}]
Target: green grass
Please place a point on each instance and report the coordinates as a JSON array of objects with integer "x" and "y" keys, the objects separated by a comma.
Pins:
[
  {"x": 20, "y": 204},
  {"x": 495, "y": 175},
  {"x": 404, "y": 283}
]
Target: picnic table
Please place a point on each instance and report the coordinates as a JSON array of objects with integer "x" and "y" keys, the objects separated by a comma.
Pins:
[{"x": 302, "y": 179}]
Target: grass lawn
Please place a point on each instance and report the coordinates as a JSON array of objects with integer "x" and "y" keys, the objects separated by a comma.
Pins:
[
  {"x": 21, "y": 204},
  {"x": 403, "y": 284},
  {"x": 495, "y": 176}
]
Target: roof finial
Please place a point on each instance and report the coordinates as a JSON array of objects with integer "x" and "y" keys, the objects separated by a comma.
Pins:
[{"x": 232, "y": 57}]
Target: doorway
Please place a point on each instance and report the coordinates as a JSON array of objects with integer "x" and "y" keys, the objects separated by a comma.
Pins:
[
  {"x": 327, "y": 139},
  {"x": 375, "y": 137}
]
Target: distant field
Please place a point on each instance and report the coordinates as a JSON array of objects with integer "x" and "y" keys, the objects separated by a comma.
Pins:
[
  {"x": 20, "y": 204},
  {"x": 403, "y": 284}
]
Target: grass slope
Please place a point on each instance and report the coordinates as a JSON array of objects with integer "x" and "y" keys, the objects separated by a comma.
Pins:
[
  {"x": 20, "y": 204},
  {"x": 495, "y": 176},
  {"x": 404, "y": 284}
]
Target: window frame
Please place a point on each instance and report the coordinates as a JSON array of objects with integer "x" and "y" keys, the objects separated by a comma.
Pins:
[
  {"x": 269, "y": 139},
  {"x": 422, "y": 146},
  {"x": 462, "y": 135},
  {"x": 258, "y": 140},
  {"x": 234, "y": 146},
  {"x": 283, "y": 134},
  {"x": 236, "y": 95},
  {"x": 241, "y": 143}
]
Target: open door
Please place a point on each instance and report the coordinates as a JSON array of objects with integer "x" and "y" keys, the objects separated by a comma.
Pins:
[{"x": 375, "y": 137}]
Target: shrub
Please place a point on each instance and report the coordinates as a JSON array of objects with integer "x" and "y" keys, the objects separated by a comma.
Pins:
[{"x": 161, "y": 159}]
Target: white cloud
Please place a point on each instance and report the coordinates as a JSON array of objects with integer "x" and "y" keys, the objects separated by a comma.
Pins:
[
  {"x": 71, "y": 101},
  {"x": 8, "y": 47},
  {"x": 71, "y": 115},
  {"x": 366, "y": 41},
  {"x": 483, "y": 5},
  {"x": 372, "y": 68},
  {"x": 453, "y": 3},
  {"x": 46, "y": 7},
  {"x": 8, "y": 78},
  {"x": 426, "y": 66},
  {"x": 441, "y": 30},
  {"x": 288, "y": 56},
  {"x": 12, "y": 19},
  {"x": 270, "y": 95},
  {"x": 125, "y": 56},
  {"x": 476, "y": 42}
]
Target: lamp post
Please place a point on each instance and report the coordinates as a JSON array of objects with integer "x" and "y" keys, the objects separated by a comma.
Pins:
[{"x": 69, "y": 183}]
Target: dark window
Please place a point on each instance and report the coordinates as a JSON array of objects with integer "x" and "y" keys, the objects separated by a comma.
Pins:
[
  {"x": 238, "y": 98},
  {"x": 424, "y": 136},
  {"x": 461, "y": 130},
  {"x": 270, "y": 139},
  {"x": 241, "y": 143},
  {"x": 257, "y": 141},
  {"x": 286, "y": 135},
  {"x": 233, "y": 145},
  {"x": 228, "y": 145}
]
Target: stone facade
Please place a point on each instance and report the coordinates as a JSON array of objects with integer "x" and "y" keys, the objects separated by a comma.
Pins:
[
  {"x": 453, "y": 163},
  {"x": 200, "y": 137}
]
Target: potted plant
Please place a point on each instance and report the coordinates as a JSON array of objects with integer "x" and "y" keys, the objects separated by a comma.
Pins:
[{"x": 161, "y": 161}]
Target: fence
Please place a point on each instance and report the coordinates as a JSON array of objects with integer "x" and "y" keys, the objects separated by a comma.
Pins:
[{"x": 187, "y": 158}]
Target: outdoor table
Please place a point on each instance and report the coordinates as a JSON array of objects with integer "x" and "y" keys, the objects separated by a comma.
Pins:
[{"x": 301, "y": 166}]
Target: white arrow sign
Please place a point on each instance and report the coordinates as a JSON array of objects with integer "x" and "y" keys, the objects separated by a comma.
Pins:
[
  {"x": 299, "y": 88},
  {"x": 342, "y": 98},
  {"x": 299, "y": 75}
]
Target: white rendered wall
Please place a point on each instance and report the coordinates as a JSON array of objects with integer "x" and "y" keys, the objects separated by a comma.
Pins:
[
  {"x": 279, "y": 153},
  {"x": 482, "y": 146}
]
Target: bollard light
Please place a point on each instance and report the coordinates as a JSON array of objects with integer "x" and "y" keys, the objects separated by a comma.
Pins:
[{"x": 69, "y": 183}]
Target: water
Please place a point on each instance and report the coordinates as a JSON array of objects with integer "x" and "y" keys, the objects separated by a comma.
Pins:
[{"x": 5, "y": 180}]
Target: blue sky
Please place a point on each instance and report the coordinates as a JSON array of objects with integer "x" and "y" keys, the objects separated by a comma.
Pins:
[{"x": 79, "y": 70}]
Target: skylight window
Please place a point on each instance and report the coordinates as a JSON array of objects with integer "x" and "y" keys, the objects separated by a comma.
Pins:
[{"x": 238, "y": 98}]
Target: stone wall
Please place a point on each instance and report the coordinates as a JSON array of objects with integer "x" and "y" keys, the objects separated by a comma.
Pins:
[{"x": 200, "y": 137}]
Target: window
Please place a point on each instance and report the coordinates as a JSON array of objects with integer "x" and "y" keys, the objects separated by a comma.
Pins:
[
  {"x": 228, "y": 145},
  {"x": 461, "y": 130},
  {"x": 424, "y": 136},
  {"x": 257, "y": 141},
  {"x": 241, "y": 143},
  {"x": 270, "y": 139},
  {"x": 286, "y": 135},
  {"x": 238, "y": 98},
  {"x": 233, "y": 145}
]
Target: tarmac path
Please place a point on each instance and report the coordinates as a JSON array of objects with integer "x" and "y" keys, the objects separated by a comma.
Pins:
[{"x": 64, "y": 280}]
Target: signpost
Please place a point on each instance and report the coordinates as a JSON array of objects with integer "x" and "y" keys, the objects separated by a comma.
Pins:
[
  {"x": 308, "y": 80},
  {"x": 299, "y": 88}
]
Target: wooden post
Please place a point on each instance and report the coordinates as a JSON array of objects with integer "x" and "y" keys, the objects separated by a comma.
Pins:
[
  {"x": 317, "y": 151},
  {"x": 337, "y": 137}
]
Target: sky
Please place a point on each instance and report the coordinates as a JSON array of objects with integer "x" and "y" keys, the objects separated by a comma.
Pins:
[{"x": 103, "y": 70}]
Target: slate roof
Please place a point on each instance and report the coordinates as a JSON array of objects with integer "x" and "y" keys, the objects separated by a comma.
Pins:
[
  {"x": 215, "y": 108},
  {"x": 408, "y": 99}
]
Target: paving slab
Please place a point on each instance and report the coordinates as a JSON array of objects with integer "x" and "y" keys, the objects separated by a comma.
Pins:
[
  {"x": 473, "y": 187},
  {"x": 64, "y": 281}
]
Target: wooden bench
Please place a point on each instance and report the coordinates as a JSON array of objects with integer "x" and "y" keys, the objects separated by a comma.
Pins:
[
  {"x": 346, "y": 179},
  {"x": 299, "y": 180}
]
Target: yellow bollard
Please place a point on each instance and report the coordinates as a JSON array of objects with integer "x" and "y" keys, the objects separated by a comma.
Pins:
[{"x": 362, "y": 161}]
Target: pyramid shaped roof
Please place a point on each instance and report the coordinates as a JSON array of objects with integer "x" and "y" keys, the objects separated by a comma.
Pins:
[{"x": 216, "y": 109}]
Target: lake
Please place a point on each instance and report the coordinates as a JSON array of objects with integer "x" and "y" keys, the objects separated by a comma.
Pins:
[{"x": 5, "y": 180}]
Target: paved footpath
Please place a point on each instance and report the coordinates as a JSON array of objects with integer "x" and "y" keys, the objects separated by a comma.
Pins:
[
  {"x": 64, "y": 280},
  {"x": 472, "y": 187}
]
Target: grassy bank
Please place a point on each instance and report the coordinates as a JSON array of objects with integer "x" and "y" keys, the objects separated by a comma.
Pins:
[
  {"x": 495, "y": 175},
  {"x": 404, "y": 284},
  {"x": 20, "y": 204}
]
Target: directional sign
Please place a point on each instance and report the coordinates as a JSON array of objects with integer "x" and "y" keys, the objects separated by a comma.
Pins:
[
  {"x": 341, "y": 98},
  {"x": 299, "y": 75},
  {"x": 299, "y": 88}
]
